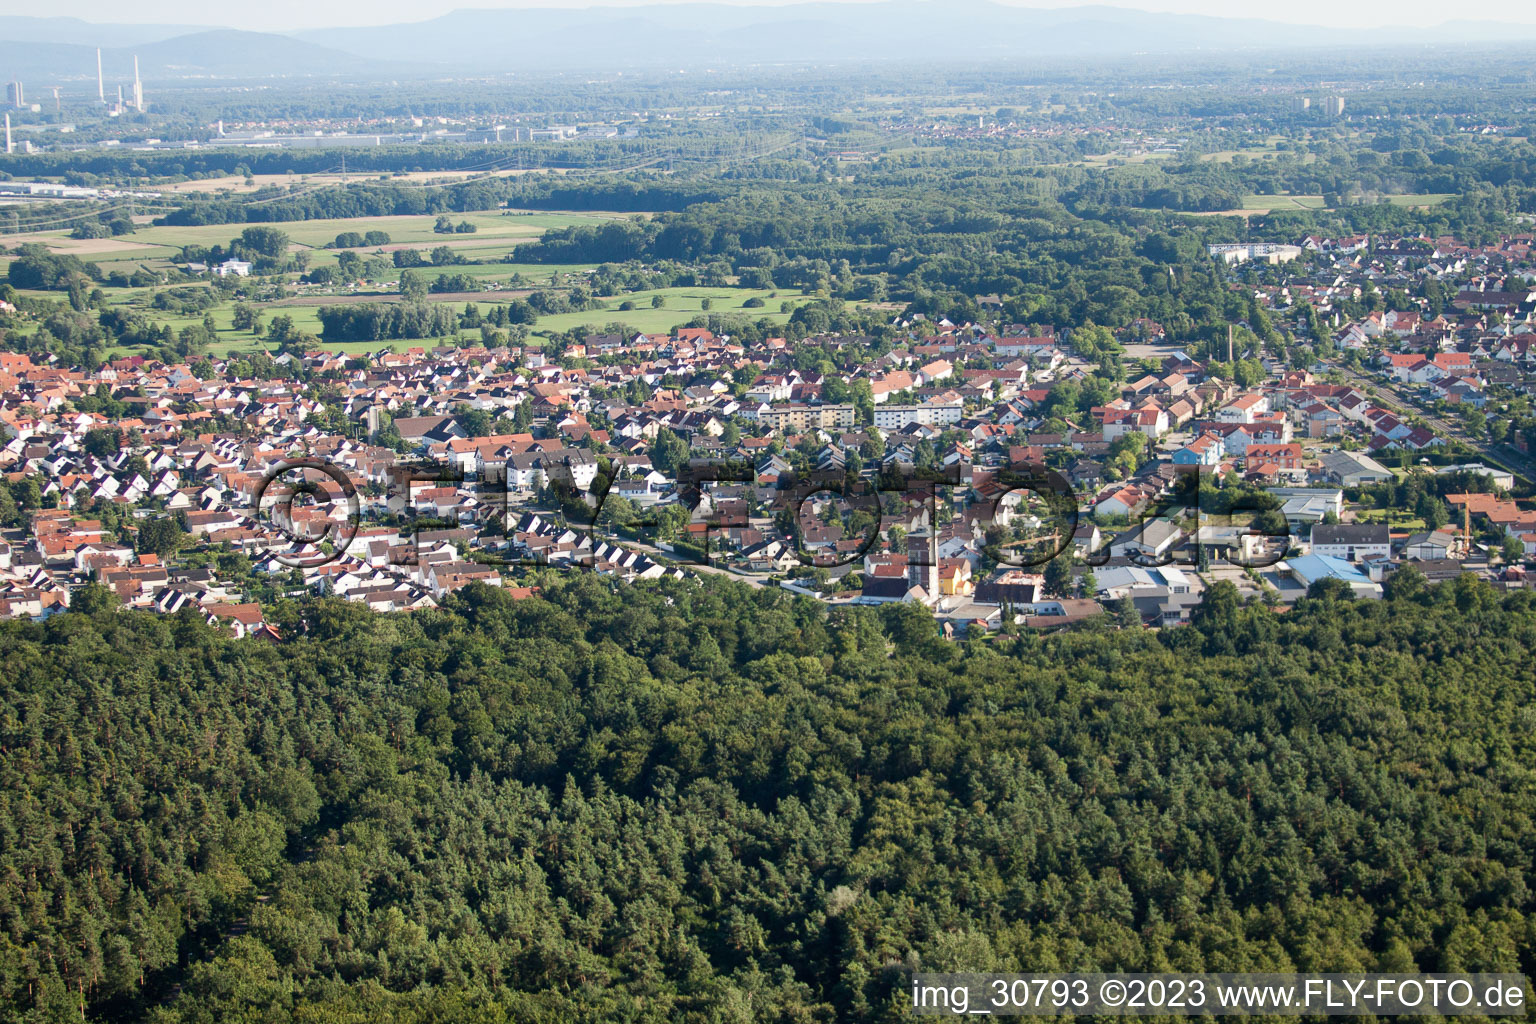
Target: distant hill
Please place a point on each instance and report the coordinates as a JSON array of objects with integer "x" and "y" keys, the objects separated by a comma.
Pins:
[
  {"x": 231, "y": 52},
  {"x": 16, "y": 28},
  {"x": 701, "y": 35},
  {"x": 209, "y": 52},
  {"x": 686, "y": 36}
]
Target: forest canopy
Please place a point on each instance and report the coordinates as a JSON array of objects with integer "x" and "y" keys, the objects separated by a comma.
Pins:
[{"x": 689, "y": 801}]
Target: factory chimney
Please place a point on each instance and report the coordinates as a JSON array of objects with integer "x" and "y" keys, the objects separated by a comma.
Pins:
[
  {"x": 8, "y": 133},
  {"x": 933, "y": 561},
  {"x": 101, "y": 88},
  {"x": 923, "y": 561},
  {"x": 138, "y": 87}
]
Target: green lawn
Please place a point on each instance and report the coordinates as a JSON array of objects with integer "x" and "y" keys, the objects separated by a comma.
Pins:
[{"x": 1397, "y": 519}]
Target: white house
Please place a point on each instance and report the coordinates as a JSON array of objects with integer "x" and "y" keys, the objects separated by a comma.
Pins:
[
  {"x": 1354, "y": 542},
  {"x": 1243, "y": 409}
]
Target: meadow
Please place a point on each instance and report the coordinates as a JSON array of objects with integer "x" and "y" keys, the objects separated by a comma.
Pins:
[
  {"x": 496, "y": 230},
  {"x": 158, "y": 249},
  {"x": 317, "y": 233},
  {"x": 682, "y": 305},
  {"x": 1264, "y": 204}
]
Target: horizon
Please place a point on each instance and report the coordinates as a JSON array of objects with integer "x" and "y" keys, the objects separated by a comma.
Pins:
[{"x": 285, "y": 17}]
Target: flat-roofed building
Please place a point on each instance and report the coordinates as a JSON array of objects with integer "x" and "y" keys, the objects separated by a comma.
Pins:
[
  {"x": 894, "y": 417},
  {"x": 796, "y": 417}
]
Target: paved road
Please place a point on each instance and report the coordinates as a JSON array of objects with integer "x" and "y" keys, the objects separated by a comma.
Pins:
[{"x": 749, "y": 579}]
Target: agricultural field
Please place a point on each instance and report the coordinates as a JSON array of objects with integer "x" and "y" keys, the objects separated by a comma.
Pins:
[
  {"x": 682, "y": 305},
  {"x": 1265, "y": 204},
  {"x": 158, "y": 249},
  {"x": 490, "y": 275},
  {"x": 1120, "y": 156},
  {"x": 496, "y": 231},
  {"x": 1425, "y": 199},
  {"x": 235, "y": 184},
  {"x": 493, "y": 224}
]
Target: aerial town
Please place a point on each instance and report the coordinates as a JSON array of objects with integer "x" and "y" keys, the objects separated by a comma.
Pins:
[
  {"x": 767, "y": 513},
  {"x": 460, "y": 463}
]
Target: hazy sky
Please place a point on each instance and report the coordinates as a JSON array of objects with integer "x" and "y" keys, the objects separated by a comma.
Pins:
[{"x": 281, "y": 15}]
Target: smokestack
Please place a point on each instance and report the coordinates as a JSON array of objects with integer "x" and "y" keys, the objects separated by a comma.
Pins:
[
  {"x": 933, "y": 558},
  {"x": 101, "y": 88},
  {"x": 138, "y": 87},
  {"x": 923, "y": 560},
  {"x": 8, "y": 133},
  {"x": 119, "y": 107}
]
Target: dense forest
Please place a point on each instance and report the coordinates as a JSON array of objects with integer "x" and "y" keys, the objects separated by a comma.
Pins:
[{"x": 693, "y": 801}]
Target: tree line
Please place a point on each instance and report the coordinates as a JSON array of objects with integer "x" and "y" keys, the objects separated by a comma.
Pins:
[
  {"x": 695, "y": 801},
  {"x": 378, "y": 321}
]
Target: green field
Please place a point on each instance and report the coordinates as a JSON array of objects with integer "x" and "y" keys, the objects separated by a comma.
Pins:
[
  {"x": 1257, "y": 202},
  {"x": 159, "y": 246},
  {"x": 1425, "y": 199},
  {"x": 683, "y": 304},
  {"x": 156, "y": 248},
  {"x": 498, "y": 275},
  {"x": 1397, "y": 519},
  {"x": 489, "y": 224},
  {"x": 1282, "y": 202}
]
